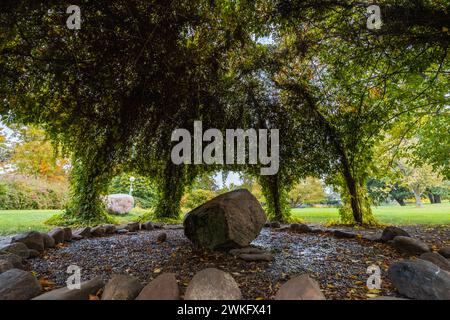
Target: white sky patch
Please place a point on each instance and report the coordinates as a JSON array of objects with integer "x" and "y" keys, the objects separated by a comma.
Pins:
[{"x": 233, "y": 177}]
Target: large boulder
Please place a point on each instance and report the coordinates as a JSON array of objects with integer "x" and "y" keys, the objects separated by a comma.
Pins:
[
  {"x": 420, "y": 279},
  {"x": 32, "y": 239},
  {"x": 87, "y": 288},
  {"x": 49, "y": 242},
  {"x": 300, "y": 288},
  {"x": 212, "y": 284},
  {"x": 57, "y": 234},
  {"x": 164, "y": 287},
  {"x": 410, "y": 246},
  {"x": 5, "y": 265},
  {"x": 12, "y": 258},
  {"x": 17, "y": 284},
  {"x": 122, "y": 287},
  {"x": 389, "y": 233},
  {"x": 67, "y": 234},
  {"x": 119, "y": 203},
  {"x": 231, "y": 220},
  {"x": 17, "y": 248}
]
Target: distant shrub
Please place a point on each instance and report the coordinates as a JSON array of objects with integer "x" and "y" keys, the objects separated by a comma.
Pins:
[
  {"x": 23, "y": 193},
  {"x": 196, "y": 198}
]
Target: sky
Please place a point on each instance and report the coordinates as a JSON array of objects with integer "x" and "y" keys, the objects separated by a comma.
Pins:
[{"x": 233, "y": 177}]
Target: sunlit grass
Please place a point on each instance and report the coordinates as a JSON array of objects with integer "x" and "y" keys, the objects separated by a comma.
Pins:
[{"x": 430, "y": 214}]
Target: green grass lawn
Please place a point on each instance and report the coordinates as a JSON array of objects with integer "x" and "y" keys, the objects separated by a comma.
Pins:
[
  {"x": 430, "y": 214},
  {"x": 15, "y": 221}
]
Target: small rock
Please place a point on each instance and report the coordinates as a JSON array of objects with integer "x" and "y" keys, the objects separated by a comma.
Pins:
[
  {"x": 90, "y": 287},
  {"x": 164, "y": 287},
  {"x": 109, "y": 228},
  {"x": 17, "y": 248},
  {"x": 410, "y": 246},
  {"x": 246, "y": 250},
  {"x": 148, "y": 225},
  {"x": 372, "y": 237},
  {"x": 32, "y": 239},
  {"x": 12, "y": 258},
  {"x": 437, "y": 259},
  {"x": 300, "y": 228},
  {"x": 133, "y": 226},
  {"x": 122, "y": 231},
  {"x": 445, "y": 252},
  {"x": 300, "y": 288},
  {"x": 122, "y": 287},
  {"x": 420, "y": 279},
  {"x": 98, "y": 231},
  {"x": 273, "y": 224},
  {"x": 34, "y": 253},
  {"x": 212, "y": 284},
  {"x": 343, "y": 234},
  {"x": 84, "y": 232},
  {"x": 5, "y": 265},
  {"x": 256, "y": 257},
  {"x": 67, "y": 234},
  {"x": 162, "y": 237},
  {"x": 49, "y": 242},
  {"x": 173, "y": 227},
  {"x": 158, "y": 225},
  {"x": 389, "y": 233},
  {"x": 57, "y": 234},
  {"x": 17, "y": 284}
]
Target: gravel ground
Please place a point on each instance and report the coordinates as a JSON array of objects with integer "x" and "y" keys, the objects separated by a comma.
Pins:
[{"x": 339, "y": 265}]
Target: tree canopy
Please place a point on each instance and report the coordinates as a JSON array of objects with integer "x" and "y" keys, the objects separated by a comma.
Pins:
[{"x": 112, "y": 92}]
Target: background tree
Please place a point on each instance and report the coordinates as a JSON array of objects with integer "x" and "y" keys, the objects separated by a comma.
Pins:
[
  {"x": 418, "y": 179},
  {"x": 307, "y": 191},
  {"x": 34, "y": 155},
  {"x": 4, "y": 148}
]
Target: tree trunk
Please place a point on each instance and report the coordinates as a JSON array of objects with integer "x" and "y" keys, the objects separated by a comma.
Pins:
[
  {"x": 170, "y": 191},
  {"x": 273, "y": 194},
  {"x": 431, "y": 197},
  {"x": 274, "y": 190},
  {"x": 400, "y": 201},
  {"x": 437, "y": 198},
  {"x": 417, "y": 195},
  {"x": 353, "y": 192}
]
